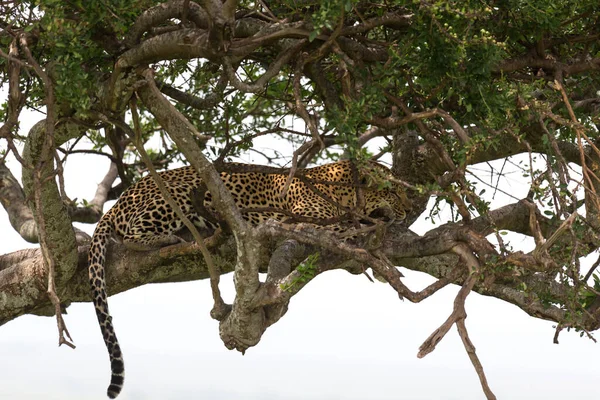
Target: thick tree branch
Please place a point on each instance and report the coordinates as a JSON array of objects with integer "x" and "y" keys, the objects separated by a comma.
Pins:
[
  {"x": 13, "y": 200},
  {"x": 161, "y": 13},
  {"x": 531, "y": 61},
  {"x": 58, "y": 224},
  {"x": 182, "y": 44},
  {"x": 23, "y": 277}
]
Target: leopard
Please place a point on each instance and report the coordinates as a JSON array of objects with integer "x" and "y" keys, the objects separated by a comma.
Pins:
[{"x": 142, "y": 219}]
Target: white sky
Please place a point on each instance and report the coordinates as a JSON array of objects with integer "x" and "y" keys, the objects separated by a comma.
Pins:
[{"x": 342, "y": 338}]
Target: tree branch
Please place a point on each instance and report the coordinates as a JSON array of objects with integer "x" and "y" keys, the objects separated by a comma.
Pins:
[
  {"x": 13, "y": 200},
  {"x": 157, "y": 15}
]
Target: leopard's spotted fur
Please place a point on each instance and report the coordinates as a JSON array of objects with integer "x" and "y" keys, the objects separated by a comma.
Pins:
[{"x": 143, "y": 219}]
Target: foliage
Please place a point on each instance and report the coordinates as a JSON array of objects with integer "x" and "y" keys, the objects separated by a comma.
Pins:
[
  {"x": 463, "y": 97},
  {"x": 306, "y": 271}
]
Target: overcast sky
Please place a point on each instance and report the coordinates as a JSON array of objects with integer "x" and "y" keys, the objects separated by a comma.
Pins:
[{"x": 342, "y": 338}]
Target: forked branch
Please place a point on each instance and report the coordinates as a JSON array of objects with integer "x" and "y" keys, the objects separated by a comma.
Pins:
[{"x": 458, "y": 317}]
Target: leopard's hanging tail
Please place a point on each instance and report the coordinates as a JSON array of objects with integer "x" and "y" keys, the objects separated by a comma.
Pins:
[{"x": 97, "y": 256}]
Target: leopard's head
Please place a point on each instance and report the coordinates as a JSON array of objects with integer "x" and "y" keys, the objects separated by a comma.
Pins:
[{"x": 385, "y": 196}]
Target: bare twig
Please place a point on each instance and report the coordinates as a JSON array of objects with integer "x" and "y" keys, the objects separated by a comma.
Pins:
[
  {"x": 562, "y": 326},
  {"x": 464, "y": 335},
  {"x": 310, "y": 124},
  {"x": 302, "y": 149},
  {"x": 579, "y": 130},
  {"x": 588, "y": 275}
]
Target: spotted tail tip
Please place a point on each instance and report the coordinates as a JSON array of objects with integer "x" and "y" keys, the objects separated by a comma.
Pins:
[
  {"x": 116, "y": 384},
  {"x": 113, "y": 391}
]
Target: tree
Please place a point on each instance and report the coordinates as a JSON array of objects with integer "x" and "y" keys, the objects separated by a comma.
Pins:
[{"x": 449, "y": 85}]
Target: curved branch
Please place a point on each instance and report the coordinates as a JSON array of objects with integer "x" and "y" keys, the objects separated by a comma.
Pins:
[
  {"x": 13, "y": 200},
  {"x": 157, "y": 15},
  {"x": 182, "y": 44},
  {"x": 211, "y": 99}
]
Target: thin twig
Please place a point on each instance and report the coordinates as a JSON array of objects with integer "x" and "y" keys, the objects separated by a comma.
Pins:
[
  {"x": 579, "y": 131},
  {"x": 310, "y": 124},
  {"x": 464, "y": 336},
  {"x": 592, "y": 269}
]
